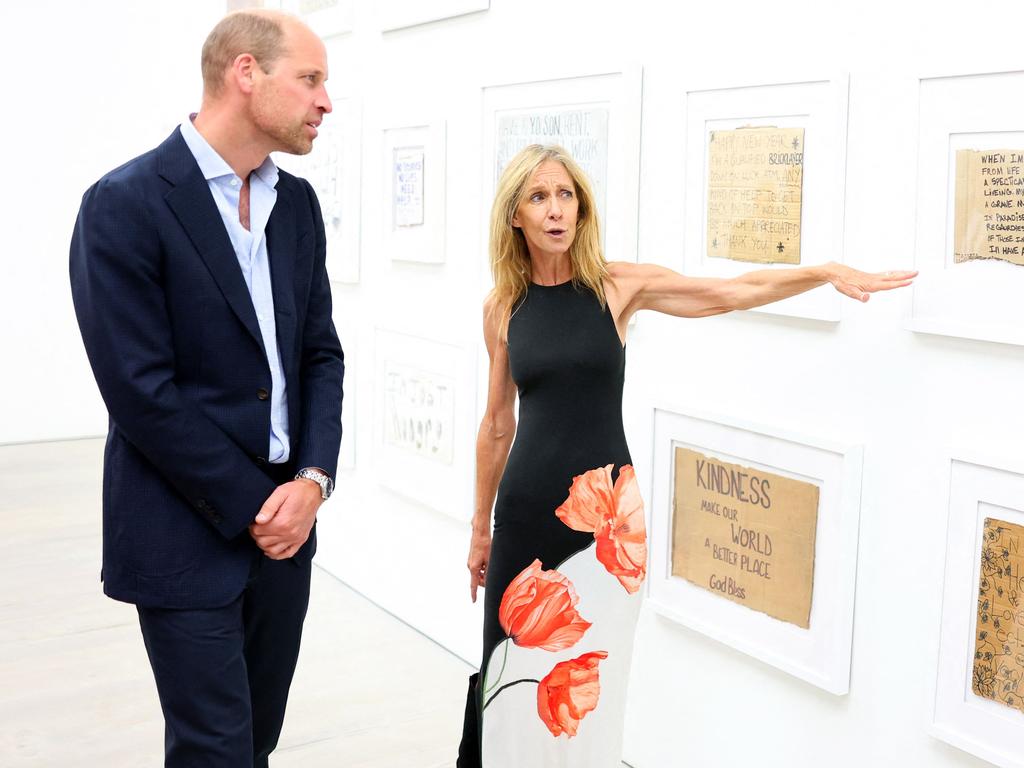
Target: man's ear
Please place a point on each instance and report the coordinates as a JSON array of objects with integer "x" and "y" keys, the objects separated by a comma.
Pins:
[{"x": 244, "y": 70}]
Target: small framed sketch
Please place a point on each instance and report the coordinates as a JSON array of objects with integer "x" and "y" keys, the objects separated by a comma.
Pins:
[
  {"x": 970, "y": 209},
  {"x": 597, "y": 119},
  {"x": 424, "y": 393},
  {"x": 333, "y": 169},
  {"x": 414, "y": 192},
  {"x": 978, "y": 701},
  {"x": 325, "y": 17},
  {"x": 765, "y": 179},
  {"x": 399, "y": 14},
  {"x": 754, "y": 541}
]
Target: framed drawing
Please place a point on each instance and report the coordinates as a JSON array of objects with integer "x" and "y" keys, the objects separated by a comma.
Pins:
[
  {"x": 325, "y": 17},
  {"x": 333, "y": 169},
  {"x": 754, "y": 541},
  {"x": 399, "y": 14},
  {"x": 597, "y": 119},
  {"x": 977, "y": 702},
  {"x": 765, "y": 179},
  {"x": 423, "y": 421},
  {"x": 970, "y": 209},
  {"x": 414, "y": 192}
]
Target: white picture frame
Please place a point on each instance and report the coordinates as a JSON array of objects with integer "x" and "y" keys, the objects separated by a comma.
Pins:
[
  {"x": 820, "y": 107},
  {"x": 401, "y": 14},
  {"x": 328, "y": 18},
  {"x": 979, "y": 487},
  {"x": 975, "y": 299},
  {"x": 333, "y": 168},
  {"x": 437, "y": 472},
  {"x": 615, "y": 91},
  {"x": 414, "y": 222},
  {"x": 820, "y": 655}
]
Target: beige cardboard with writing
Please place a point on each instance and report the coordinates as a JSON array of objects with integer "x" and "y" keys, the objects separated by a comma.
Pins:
[
  {"x": 755, "y": 188},
  {"x": 709, "y": 517},
  {"x": 989, "y": 213},
  {"x": 999, "y": 643}
]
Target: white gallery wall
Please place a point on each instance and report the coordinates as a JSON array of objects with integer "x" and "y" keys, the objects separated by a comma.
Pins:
[{"x": 88, "y": 90}]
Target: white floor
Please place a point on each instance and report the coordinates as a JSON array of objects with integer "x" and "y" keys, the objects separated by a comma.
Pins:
[{"x": 75, "y": 686}]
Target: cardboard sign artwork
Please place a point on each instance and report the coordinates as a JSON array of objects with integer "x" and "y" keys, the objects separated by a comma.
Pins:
[
  {"x": 746, "y": 535},
  {"x": 989, "y": 213},
  {"x": 999, "y": 644},
  {"x": 755, "y": 188}
]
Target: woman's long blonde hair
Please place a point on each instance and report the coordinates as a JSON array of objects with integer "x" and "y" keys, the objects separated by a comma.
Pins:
[{"x": 510, "y": 257}]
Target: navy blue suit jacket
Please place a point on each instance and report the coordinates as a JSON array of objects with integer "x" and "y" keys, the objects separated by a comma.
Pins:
[{"x": 174, "y": 344}]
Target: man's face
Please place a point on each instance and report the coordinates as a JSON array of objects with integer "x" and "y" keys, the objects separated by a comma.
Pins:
[{"x": 289, "y": 102}]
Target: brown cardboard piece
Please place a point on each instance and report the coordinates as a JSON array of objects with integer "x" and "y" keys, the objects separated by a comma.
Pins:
[
  {"x": 755, "y": 188},
  {"x": 745, "y": 535},
  {"x": 989, "y": 212},
  {"x": 999, "y": 646}
]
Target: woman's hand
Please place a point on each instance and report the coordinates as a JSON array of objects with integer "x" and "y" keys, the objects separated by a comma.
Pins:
[
  {"x": 479, "y": 554},
  {"x": 860, "y": 285}
]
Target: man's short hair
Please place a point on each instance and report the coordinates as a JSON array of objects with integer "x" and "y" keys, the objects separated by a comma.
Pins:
[{"x": 261, "y": 35}]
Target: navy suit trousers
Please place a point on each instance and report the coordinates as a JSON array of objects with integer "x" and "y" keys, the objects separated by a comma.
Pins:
[{"x": 223, "y": 674}]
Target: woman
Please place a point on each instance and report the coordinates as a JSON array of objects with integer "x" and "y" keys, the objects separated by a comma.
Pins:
[{"x": 565, "y": 567}]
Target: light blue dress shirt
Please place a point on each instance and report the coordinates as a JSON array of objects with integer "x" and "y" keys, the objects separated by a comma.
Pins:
[{"x": 251, "y": 249}]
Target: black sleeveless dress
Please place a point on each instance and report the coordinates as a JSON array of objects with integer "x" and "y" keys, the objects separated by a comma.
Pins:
[{"x": 568, "y": 554}]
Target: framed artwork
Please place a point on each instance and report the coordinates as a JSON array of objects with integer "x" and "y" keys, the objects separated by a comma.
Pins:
[
  {"x": 423, "y": 421},
  {"x": 970, "y": 209},
  {"x": 414, "y": 192},
  {"x": 754, "y": 541},
  {"x": 596, "y": 117},
  {"x": 333, "y": 169},
  {"x": 979, "y": 677},
  {"x": 765, "y": 183},
  {"x": 399, "y": 14},
  {"x": 327, "y": 18}
]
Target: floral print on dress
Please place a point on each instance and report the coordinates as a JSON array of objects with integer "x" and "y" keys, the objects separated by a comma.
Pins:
[
  {"x": 569, "y": 692},
  {"x": 538, "y": 610},
  {"x": 614, "y": 513}
]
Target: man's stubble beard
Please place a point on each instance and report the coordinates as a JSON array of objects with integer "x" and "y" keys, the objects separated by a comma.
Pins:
[{"x": 289, "y": 138}]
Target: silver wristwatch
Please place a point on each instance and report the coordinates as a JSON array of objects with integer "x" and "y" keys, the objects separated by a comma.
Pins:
[{"x": 324, "y": 481}]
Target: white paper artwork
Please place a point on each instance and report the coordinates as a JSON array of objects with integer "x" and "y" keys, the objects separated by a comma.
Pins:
[
  {"x": 583, "y": 132},
  {"x": 332, "y": 169},
  {"x": 419, "y": 411},
  {"x": 407, "y": 186}
]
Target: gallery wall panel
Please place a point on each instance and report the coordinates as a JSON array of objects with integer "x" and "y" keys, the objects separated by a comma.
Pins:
[
  {"x": 774, "y": 195},
  {"x": 977, "y": 700},
  {"x": 970, "y": 208},
  {"x": 744, "y": 594}
]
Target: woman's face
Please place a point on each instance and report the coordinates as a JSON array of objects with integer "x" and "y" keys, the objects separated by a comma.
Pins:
[{"x": 547, "y": 214}]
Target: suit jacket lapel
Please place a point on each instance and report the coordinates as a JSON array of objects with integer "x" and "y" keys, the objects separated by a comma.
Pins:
[
  {"x": 193, "y": 205},
  {"x": 281, "y": 252}
]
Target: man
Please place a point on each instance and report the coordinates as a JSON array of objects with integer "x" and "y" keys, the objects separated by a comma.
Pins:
[{"x": 198, "y": 276}]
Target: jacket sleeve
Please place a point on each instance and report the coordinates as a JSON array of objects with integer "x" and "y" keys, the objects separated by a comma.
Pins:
[
  {"x": 322, "y": 364},
  {"x": 116, "y": 264}
]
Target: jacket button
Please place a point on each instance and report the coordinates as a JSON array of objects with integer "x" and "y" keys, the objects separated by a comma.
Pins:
[
  {"x": 262, "y": 393},
  {"x": 260, "y": 461}
]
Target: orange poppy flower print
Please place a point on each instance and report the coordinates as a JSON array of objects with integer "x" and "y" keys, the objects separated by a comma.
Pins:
[
  {"x": 614, "y": 513},
  {"x": 569, "y": 692},
  {"x": 538, "y": 610}
]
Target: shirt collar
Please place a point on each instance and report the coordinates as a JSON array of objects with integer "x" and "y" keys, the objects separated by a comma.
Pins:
[{"x": 212, "y": 165}]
